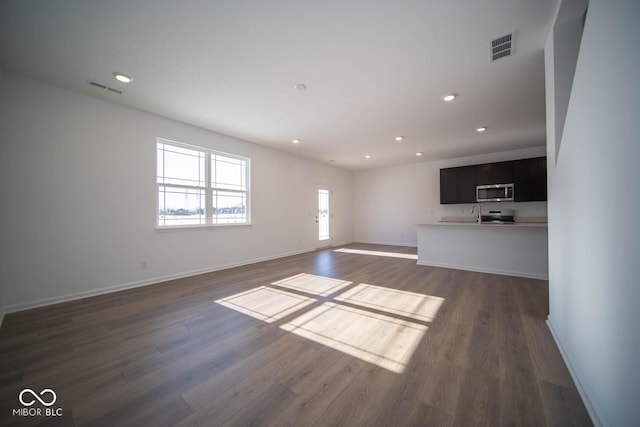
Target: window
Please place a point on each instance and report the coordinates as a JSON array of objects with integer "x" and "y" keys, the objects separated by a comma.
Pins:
[{"x": 199, "y": 187}]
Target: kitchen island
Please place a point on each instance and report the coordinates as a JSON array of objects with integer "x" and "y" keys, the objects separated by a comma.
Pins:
[{"x": 518, "y": 249}]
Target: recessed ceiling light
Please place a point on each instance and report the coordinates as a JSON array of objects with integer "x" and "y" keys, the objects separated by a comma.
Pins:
[
  {"x": 450, "y": 97},
  {"x": 122, "y": 77},
  {"x": 399, "y": 138},
  {"x": 367, "y": 156},
  {"x": 300, "y": 86},
  {"x": 481, "y": 129},
  {"x": 419, "y": 153},
  {"x": 295, "y": 141}
]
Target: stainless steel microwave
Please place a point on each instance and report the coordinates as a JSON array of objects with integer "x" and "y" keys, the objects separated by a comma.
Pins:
[{"x": 494, "y": 193}]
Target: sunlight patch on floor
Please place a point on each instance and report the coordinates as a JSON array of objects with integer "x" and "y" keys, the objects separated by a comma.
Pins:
[
  {"x": 393, "y": 301},
  {"x": 310, "y": 283},
  {"x": 377, "y": 253},
  {"x": 375, "y": 338},
  {"x": 265, "y": 303},
  {"x": 377, "y": 324}
]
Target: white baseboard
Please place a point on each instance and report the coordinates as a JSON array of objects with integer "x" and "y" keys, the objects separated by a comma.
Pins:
[
  {"x": 337, "y": 244},
  {"x": 131, "y": 285},
  {"x": 574, "y": 376},
  {"x": 486, "y": 270}
]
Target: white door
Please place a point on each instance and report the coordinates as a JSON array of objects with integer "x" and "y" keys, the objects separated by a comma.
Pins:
[{"x": 323, "y": 217}]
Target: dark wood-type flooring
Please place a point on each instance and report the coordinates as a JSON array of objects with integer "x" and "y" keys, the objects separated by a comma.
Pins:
[{"x": 170, "y": 355}]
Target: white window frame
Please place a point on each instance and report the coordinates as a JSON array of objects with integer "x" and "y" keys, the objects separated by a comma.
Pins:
[{"x": 208, "y": 188}]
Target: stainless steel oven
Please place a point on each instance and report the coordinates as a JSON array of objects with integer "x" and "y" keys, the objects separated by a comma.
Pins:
[{"x": 494, "y": 193}]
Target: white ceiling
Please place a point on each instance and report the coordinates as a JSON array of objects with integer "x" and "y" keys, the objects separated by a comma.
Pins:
[{"x": 374, "y": 69}]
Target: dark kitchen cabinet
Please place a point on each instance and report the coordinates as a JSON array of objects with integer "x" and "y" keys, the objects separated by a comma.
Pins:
[
  {"x": 495, "y": 173},
  {"x": 529, "y": 176},
  {"x": 467, "y": 184},
  {"x": 530, "y": 179},
  {"x": 448, "y": 186},
  {"x": 458, "y": 185}
]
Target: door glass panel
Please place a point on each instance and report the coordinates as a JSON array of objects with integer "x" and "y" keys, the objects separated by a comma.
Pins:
[{"x": 323, "y": 214}]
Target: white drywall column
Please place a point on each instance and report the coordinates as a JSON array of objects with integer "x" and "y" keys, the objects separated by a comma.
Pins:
[{"x": 594, "y": 211}]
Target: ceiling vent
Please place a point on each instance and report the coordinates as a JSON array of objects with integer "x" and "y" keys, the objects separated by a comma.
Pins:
[
  {"x": 101, "y": 86},
  {"x": 501, "y": 47}
]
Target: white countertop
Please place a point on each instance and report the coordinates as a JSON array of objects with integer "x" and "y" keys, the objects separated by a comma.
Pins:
[{"x": 487, "y": 224}]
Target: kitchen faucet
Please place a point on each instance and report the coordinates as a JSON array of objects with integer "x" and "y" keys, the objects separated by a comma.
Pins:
[{"x": 479, "y": 212}]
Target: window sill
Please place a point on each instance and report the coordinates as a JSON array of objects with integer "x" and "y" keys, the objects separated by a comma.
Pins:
[{"x": 199, "y": 227}]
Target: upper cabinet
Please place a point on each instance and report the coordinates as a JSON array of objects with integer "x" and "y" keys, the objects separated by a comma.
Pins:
[
  {"x": 530, "y": 179},
  {"x": 495, "y": 173},
  {"x": 458, "y": 185},
  {"x": 529, "y": 176},
  {"x": 448, "y": 186},
  {"x": 467, "y": 184}
]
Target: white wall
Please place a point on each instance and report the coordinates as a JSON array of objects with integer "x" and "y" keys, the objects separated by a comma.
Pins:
[
  {"x": 594, "y": 209},
  {"x": 390, "y": 202},
  {"x": 566, "y": 40},
  {"x": 78, "y": 198}
]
